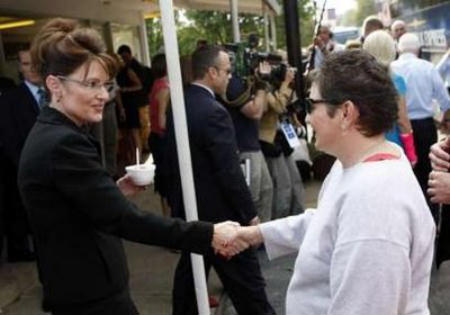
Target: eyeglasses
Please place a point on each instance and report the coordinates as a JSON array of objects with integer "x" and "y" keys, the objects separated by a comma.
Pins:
[
  {"x": 309, "y": 104},
  {"x": 92, "y": 85}
]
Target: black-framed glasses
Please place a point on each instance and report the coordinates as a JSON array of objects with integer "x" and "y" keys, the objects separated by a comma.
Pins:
[
  {"x": 309, "y": 104},
  {"x": 92, "y": 85}
]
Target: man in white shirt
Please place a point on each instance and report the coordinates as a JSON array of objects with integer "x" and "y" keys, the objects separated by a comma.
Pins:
[
  {"x": 423, "y": 85},
  {"x": 444, "y": 69},
  {"x": 324, "y": 45}
]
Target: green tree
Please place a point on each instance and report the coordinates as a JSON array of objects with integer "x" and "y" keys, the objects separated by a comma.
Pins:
[
  {"x": 306, "y": 16},
  {"x": 216, "y": 27},
  {"x": 364, "y": 9}
]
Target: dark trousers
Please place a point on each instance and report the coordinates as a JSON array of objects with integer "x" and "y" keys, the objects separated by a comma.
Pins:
[
  {"x": 241, "y": 277},
  {"x": 425, "y": 135},
  {"x": 16, "y": 226},
  {"x": 118, "y": 304}
]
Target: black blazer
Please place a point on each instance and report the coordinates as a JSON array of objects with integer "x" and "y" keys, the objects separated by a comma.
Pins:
[
  {"x": 220, "y": 187},
  {"x": 78, "y": 216},
  {"x": 18, "y": 112}
]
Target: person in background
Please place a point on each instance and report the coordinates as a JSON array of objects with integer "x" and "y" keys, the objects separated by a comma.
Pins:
[
  {"x": 444, "y": 69},
  {"x": 159, "y": 105},
  {"x": 78, "y": 213},
  {"x": 370, "y": 24},
  {"x": 368, "y": 247},
  {"x": 324, "y": 45},
  {"x": 381, "y": 45},
  {"x": 220, "y": 187},
  {"x": 19, "y": 108},
  {"x": 287, "y": 183},
  {"x": 139, "y": 96},
  {"x": 423, "y": 85},
  {"x": 246, "y": 108},
  {"x": 398, "y": 28}
]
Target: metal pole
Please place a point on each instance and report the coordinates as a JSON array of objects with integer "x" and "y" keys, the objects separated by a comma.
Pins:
[
  {"x": 266, "y": 29},
  {"x": 182, "y": 139},
  {"x": 108, "y": 37},
  {"x": 2, "y": 55},
  {"x": 144, "y": 42},
  {"x": 235, "y": 20},
  {"x": 293, "y": 43},
  {"x": 273, "y": 31}
]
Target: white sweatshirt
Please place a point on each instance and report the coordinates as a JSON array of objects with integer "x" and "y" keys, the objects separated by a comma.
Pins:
[{"x": 366, "y": 250}]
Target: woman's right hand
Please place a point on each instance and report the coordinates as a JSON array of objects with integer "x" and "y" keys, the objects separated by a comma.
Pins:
[
  {"x": 128, "y": 187},
  {"x": 439, "y": 155}
]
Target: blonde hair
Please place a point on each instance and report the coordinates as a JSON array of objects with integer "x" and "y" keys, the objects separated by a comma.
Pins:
[{"x": 381, "y": 45}]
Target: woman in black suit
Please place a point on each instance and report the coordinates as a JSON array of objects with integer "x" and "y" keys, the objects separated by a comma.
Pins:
[{"x": 77, "y": 212}]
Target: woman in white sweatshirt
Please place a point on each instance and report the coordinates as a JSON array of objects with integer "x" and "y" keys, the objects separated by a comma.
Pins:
[{"x": 368, "y": 247}]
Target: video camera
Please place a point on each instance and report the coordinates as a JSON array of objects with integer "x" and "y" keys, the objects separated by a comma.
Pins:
[{"x": 245, "y": 59}]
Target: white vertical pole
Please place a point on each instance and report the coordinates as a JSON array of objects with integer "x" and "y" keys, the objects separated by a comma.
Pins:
[
  {"x": 266, "y": 29},
  {"x": 235, "y": 20},
  {"x": 273, "y": 31},
  {"x": 184, "y": 153},
  {"x": 144, "y": 42}
]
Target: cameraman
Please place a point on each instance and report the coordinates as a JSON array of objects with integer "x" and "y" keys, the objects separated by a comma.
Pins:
[
  {"x": 245, "y": 116},
  {"x": 288, "y": 186}
]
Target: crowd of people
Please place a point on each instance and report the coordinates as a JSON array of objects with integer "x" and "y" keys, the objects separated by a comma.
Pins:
[{"x": 80, "y": 113}]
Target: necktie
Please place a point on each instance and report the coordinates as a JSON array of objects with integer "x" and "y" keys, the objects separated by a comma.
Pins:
[{"x": 42, "y": 98}]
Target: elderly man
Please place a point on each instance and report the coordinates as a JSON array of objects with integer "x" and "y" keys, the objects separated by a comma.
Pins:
[
  {"x": 324, "y": 45},
  {"x": 398, "y": 28},
  {"x": 423, "y": 85}
]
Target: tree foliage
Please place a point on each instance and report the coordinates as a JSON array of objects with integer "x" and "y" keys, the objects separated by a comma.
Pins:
[{"x": 215, "y": 27}]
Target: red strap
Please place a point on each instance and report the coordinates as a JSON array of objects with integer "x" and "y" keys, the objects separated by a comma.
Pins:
[{"x": 381, "y": 157}]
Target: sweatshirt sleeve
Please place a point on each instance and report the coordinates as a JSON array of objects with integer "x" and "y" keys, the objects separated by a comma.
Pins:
[{"x": 284, "y": 236}]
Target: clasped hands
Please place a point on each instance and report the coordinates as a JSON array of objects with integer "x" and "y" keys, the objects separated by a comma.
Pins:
[{"x": 230, "y": 238}]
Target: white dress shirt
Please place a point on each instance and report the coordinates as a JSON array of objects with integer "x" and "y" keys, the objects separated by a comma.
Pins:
[{"x": 423, "y": 85}]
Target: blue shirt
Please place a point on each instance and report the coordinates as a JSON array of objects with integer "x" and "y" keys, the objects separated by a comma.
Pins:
[
  {"x": 400, "y": 85},
  {"x": 423, "y": 83}
]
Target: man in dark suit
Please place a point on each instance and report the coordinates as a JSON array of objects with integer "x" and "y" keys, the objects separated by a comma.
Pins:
[
  {"x": 221, "y": 190},
  {"x": 19, "y": 108}
]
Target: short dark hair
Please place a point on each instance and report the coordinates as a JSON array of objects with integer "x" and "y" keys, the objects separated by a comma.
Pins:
[
  {"x": 159, "y": 67},
  {"x": 356, "y": 76},
  {"x": 203, "y": 59},
  {"x": 124, "y": 49}
]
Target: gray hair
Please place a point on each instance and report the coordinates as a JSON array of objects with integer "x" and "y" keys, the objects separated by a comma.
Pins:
[{"x": 409, "y": 42}]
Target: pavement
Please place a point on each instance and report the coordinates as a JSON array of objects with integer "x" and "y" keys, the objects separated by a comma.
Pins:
[{"x": 151, "y": 275}]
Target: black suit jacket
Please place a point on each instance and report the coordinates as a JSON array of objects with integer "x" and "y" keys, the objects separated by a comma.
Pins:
[
  {"x": 78, "y": 216},
  {"x": 220, "y": 187},
  {"x": 18, "y": 112}
]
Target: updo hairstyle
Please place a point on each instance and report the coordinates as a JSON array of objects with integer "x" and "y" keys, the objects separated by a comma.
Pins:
[{"x": 62, "y": 46}]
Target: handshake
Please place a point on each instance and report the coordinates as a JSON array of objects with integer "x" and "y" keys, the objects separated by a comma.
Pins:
[{"x": 230, "y": 238}]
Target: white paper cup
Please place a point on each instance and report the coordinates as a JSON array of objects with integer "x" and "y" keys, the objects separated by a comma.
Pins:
[{"x": 142, "y": 174}]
